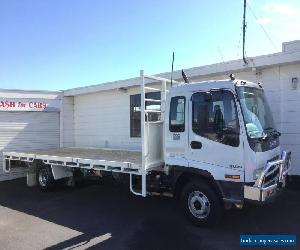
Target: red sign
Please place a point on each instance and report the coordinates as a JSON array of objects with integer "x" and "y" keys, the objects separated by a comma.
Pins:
[{"x": 29, "y": 105}]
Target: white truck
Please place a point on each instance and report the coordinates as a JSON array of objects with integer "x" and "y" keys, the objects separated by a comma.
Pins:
[{"x": 215, "y": 146}]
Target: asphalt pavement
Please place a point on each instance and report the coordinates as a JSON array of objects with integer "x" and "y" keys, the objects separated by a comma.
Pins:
[{"x": 105, "y": 215}]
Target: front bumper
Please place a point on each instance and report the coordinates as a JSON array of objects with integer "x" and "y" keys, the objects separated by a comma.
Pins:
[{"x": 266, "y": 189}]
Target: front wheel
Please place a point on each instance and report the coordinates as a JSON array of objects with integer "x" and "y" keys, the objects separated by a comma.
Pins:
[
  {"x": 45, "y": 178},
  {"x": 200, "y": 203}
]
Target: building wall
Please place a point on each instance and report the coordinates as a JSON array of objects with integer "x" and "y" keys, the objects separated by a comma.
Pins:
[
  {"x": 103, "y": 120},
  {"x": 67, "y": 118},
  {"x": 290, "y": 113}
]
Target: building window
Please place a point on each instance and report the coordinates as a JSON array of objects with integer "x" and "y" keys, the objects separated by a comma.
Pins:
[
  {"x": 135, "y": 116},
  {"x": 177, "y": 111},
  {"x": 135, "y": 112},
  {"x": 215, "y": 117}
]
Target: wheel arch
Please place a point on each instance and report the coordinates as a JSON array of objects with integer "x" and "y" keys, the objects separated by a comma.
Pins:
[
  {"x": 183, "y": 175},
  {"x": 58, "y": 171}
]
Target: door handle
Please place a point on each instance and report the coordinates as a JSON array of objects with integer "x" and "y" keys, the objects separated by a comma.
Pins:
[{"x": 196, "y": 145}]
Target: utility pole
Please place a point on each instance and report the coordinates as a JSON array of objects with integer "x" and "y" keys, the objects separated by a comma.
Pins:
[{"x": 244, "y": 32}]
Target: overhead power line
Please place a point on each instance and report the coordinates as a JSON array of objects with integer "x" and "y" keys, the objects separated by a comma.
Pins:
[
  {"x": 221, "y": 54},
  {"x": 239, "y": 43},
  {"x": 262, "y": 27}
]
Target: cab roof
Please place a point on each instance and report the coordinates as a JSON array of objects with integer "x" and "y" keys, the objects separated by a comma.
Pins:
[{"x": 212, "y": 84}]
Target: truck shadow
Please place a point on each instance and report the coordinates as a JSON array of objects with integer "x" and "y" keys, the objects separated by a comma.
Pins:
[{"x": 108, "y": 216}]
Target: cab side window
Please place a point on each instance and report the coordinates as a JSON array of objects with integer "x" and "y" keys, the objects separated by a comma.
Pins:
[
  {"x": 215, "y": 117},
  {"x": 177, "y": 114}
]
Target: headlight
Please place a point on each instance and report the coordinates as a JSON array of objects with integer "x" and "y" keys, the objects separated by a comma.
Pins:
[{"x": 257, "y": 173}]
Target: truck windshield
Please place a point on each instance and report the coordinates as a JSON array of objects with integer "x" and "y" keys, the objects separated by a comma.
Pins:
[{"x": 256, "y": 111}]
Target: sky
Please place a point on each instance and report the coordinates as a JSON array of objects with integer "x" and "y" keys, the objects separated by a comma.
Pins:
[{"x": 63, "y": 44}]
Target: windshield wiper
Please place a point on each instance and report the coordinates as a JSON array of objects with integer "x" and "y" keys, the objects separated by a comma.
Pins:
[
  {"x": 268, "y": 128},
  {"x": 273, "y": 133},
  {"x": 261, "y": 138}
]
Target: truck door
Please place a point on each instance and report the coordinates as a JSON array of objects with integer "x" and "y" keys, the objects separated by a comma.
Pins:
[
  {"x": 214, "y": 134},
  {"x": 177, "y": 132}
]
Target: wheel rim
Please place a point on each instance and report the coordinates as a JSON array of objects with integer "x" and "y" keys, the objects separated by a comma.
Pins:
[
  {"x": 198, "y": 204},
  {"x": 43, "y": 177}
]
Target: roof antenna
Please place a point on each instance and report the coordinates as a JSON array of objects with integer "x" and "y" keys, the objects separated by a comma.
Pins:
[
  {"x": 172, "y": 70},
  {"x": 244, "y": 32},
  {"x": 185, "y": 78}
]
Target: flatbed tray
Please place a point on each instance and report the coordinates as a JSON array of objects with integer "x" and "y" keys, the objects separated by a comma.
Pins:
[{"x": 116, "y": 160}]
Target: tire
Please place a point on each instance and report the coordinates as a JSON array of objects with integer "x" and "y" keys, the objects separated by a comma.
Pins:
[
  {"x": 200, "y": 203},
  {"x": 44, "y": 178}
]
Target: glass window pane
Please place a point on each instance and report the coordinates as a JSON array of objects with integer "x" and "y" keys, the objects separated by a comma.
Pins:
[
  {"x": 177, "y": 114},
  {"x": 257, "y": 114},
  {"x": 215, "y": 118}
]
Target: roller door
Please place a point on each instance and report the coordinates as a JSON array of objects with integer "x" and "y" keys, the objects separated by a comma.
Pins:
[{"x": 24, "y": 131}]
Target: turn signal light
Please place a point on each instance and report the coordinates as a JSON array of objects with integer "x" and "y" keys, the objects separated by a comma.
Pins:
[{"x": 234, "y": 177}]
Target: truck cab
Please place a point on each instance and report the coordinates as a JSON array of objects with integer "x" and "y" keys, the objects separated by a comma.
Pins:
[{"x": 220, "y": 135}]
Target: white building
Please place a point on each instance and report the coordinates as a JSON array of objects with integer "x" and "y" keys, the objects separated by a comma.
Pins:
[
  {"x": 28, "y": 120},
  {"x": 106, "y": 115}
]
